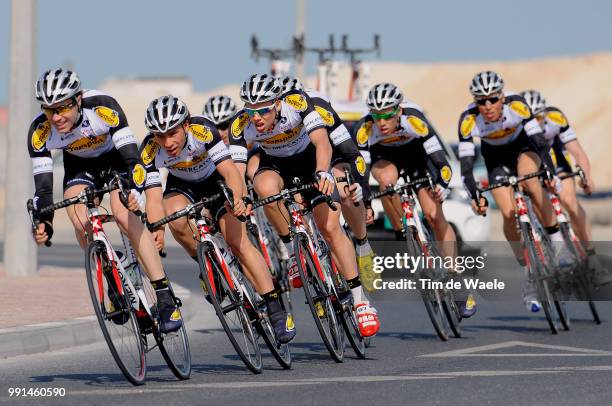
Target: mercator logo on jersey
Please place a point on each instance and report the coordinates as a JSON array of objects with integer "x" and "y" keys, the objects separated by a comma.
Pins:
[
  {"x": 40, "y": 136},
  {"x": 521, "y": 109},
  {"x": 297, "y": 101},
  {"x": 360, "y": 164},
  {"x": 139, "y": 175},
  {"x": 239, "y": 124},
  {"x": 364, "y": 132},
  {"x": 467, "y": 125},
  {"x": 108, "y": 115},
  {"x": 327, "y": 116},
  {"x": 149, "y": 152},
  {"x": 557, "y": 117},
  {"x": 201, "y": 132},
  {"x": 420, "y": 127}
]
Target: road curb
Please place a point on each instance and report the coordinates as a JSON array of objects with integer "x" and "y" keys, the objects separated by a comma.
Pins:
[{"x": 52, "y": 336}]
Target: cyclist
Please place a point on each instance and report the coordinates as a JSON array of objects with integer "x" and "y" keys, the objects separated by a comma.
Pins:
[
  {"x": 398, "y": 136},
  {"x": 345, "y": 155},
  {"x": 294, "y": 143},
  {"x": 191, "y": 148},
  {"x": 220, "y": 109},
  {"x": 91, "y": 130},
  {"x": 511, "y": 142},
  {"x": 563, "y": 146}
]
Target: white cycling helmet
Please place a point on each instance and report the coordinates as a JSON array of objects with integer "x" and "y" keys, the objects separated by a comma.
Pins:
[
  {"x": 534, "y": 100},
  {"x": 486, "y": 83},
  {"x": 57, "y": 85},
  {"x": 165, "y": 113},
  {"x": 219, "y": 109},
  {"x": 290, "y": 83},
  {"x": 259, "y": 88},
  {"x": 384, "y": 95}
]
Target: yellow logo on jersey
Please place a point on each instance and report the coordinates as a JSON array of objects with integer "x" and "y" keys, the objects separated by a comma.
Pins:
[
  {"x": 139, "y": 174},
  {"x": 503, "y": 133},
  {"x": 521, "y": 109},
  {"x": 396, "y": 138},
  {"x": 87, "y": 143},
  {"x": 149, "y": 151},
  {"x": 41, "y": 135},
  {"x": 420, "y": 127},
  {"x": 364, "y": 133},
  {"x": 557, "y": 117},
  {"x": 446, "y": 173},
  {"x": 108, "y": 115},
  {"x": 467, "y": 125},
  {"x": 189, "y": 164},
  {"x": 297, "y": 101},
  {"x": 201, "y": 132},
  {"x": 327, "y": 116},
  {"x": 284, "y": 137},
  {"x": 360, "y": 164},
  {"x": 239, "y": 124}
]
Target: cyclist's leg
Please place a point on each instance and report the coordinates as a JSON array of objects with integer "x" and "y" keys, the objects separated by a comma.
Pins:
[
  {"x": 443, "y": 232},
  {"x": 139, "y": 236},
  {"x": 253, "y": 164},
  {"x": 529, "y": 162},
  {"x": 268, "y": 182},
  {"x": 179, "y": 228},
  {"x": 386, "y": 173},
  {"x": 576, "y": 212},
  {"x": 77, "y": 214}
]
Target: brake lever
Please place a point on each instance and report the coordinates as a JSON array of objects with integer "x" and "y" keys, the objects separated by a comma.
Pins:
[
  {"x": 34, "y": 219},
  {"x": 229, "y": 197}
]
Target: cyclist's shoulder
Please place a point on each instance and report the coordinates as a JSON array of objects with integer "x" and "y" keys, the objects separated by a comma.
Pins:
[
  {"x": 517, "y": 105},
  {"x": 363, "y": 130},
  {"x": 39, "y": 132},
  {"x": 296, "y": 100},
  {"x": 470, "y": 110},
  {"x": 105, "y": 107},
  {"x": 238, "y": 123},
  {"x": 149, "y": 149},
  {"x": 555, "y": 116}
]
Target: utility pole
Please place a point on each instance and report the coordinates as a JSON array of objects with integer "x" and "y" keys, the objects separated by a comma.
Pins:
[
  {"x": 19, "y": 248},
  {"x": 300, "y": 32}
]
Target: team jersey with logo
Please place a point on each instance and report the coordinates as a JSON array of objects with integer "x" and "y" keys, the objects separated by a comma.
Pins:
[
  {"x": 102, "y": 127},
  {"x": 413, "y": 128},
  {"x": 338, "y": 133},
  {"x": 516, "y": 118},
  {"x": 296, "y": 119},
  {"x": 203, "y": 151},
  {"x": 556, "y": 125}
]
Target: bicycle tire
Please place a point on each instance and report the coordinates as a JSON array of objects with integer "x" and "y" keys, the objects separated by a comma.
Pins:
[
  {"x": 581, "y": 280},
  {"x": 556, "y": 278},
  {"x": 451, "y": 310},
  {"x": 221, "y": 293},
  {"x": 315, "y": 291},
  {"x": 99, "y": 286},
  {"x": 544, "y": 293},
  {"x": 431, "y": 299}
]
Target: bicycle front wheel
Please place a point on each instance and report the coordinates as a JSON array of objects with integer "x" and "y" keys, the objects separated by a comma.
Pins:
[
  {"x": 318, "y": 299},
  {"x": 230, "y": 308},
  {"x": 117, "y": 318}
]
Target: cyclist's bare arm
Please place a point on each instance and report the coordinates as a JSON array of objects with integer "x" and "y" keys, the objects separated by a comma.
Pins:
[{"x": 574, "y": 148}]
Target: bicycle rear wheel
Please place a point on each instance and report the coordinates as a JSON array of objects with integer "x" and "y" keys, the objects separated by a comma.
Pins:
[
  {"x": 230, "y": 308},
  {"x": 431, "y": 297},
  {"x": 319, "y": 300},
  {"x": 115, "y": 314},
  {"x": 173, "y": 346}
]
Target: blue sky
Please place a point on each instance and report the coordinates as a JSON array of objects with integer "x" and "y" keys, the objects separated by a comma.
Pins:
[{"x": 209, "y": 40}]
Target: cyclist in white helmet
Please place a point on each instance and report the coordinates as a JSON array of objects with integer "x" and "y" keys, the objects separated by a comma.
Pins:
[
  {"x": 511, "y": 140},
  {"x": 564, "y": 146},
  {"x": 294, "y": 143},
  {"x": 91, "y": 130},
  {"x": 191, "y": 148},
  {"x": 219, "y": 110}
]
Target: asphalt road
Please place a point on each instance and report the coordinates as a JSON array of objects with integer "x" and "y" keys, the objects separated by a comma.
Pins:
[{"x": 507, "y": 356}]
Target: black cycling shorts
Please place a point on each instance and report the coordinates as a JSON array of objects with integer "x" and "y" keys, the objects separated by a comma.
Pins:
[
  {"x": 561, "y": 157},
  {"x": 195, "y": 191},
  {"x": 502, "y": 160},
  {"x": 92, "y": 172},
  {"x": 410, "y": 157}
]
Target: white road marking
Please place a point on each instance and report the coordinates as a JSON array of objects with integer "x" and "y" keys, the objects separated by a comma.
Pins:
[{"x": 476, "y": 351}]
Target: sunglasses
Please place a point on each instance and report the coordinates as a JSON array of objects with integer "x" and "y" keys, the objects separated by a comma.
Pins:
[
  {"x": 223, "y": 126},
  {"x": 384, "y": 116},
  {"x": 261, "y": 111},
  {"x": 61, "y": 110},
  {"x": 492, "y": 100}
]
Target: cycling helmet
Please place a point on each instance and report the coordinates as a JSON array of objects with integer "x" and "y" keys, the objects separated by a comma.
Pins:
[
  {"x": 219, "y": 109},
  {"x": 57, "y": 85},
  {"x": 290, "y": 83},
  {"x": 165, "y": 113},
  {"x": 259, "y": 88},
  {"x": 384, "y": 95},
  {"x": 534, "y": 100},
  {"x": 486, "y": 83}
]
